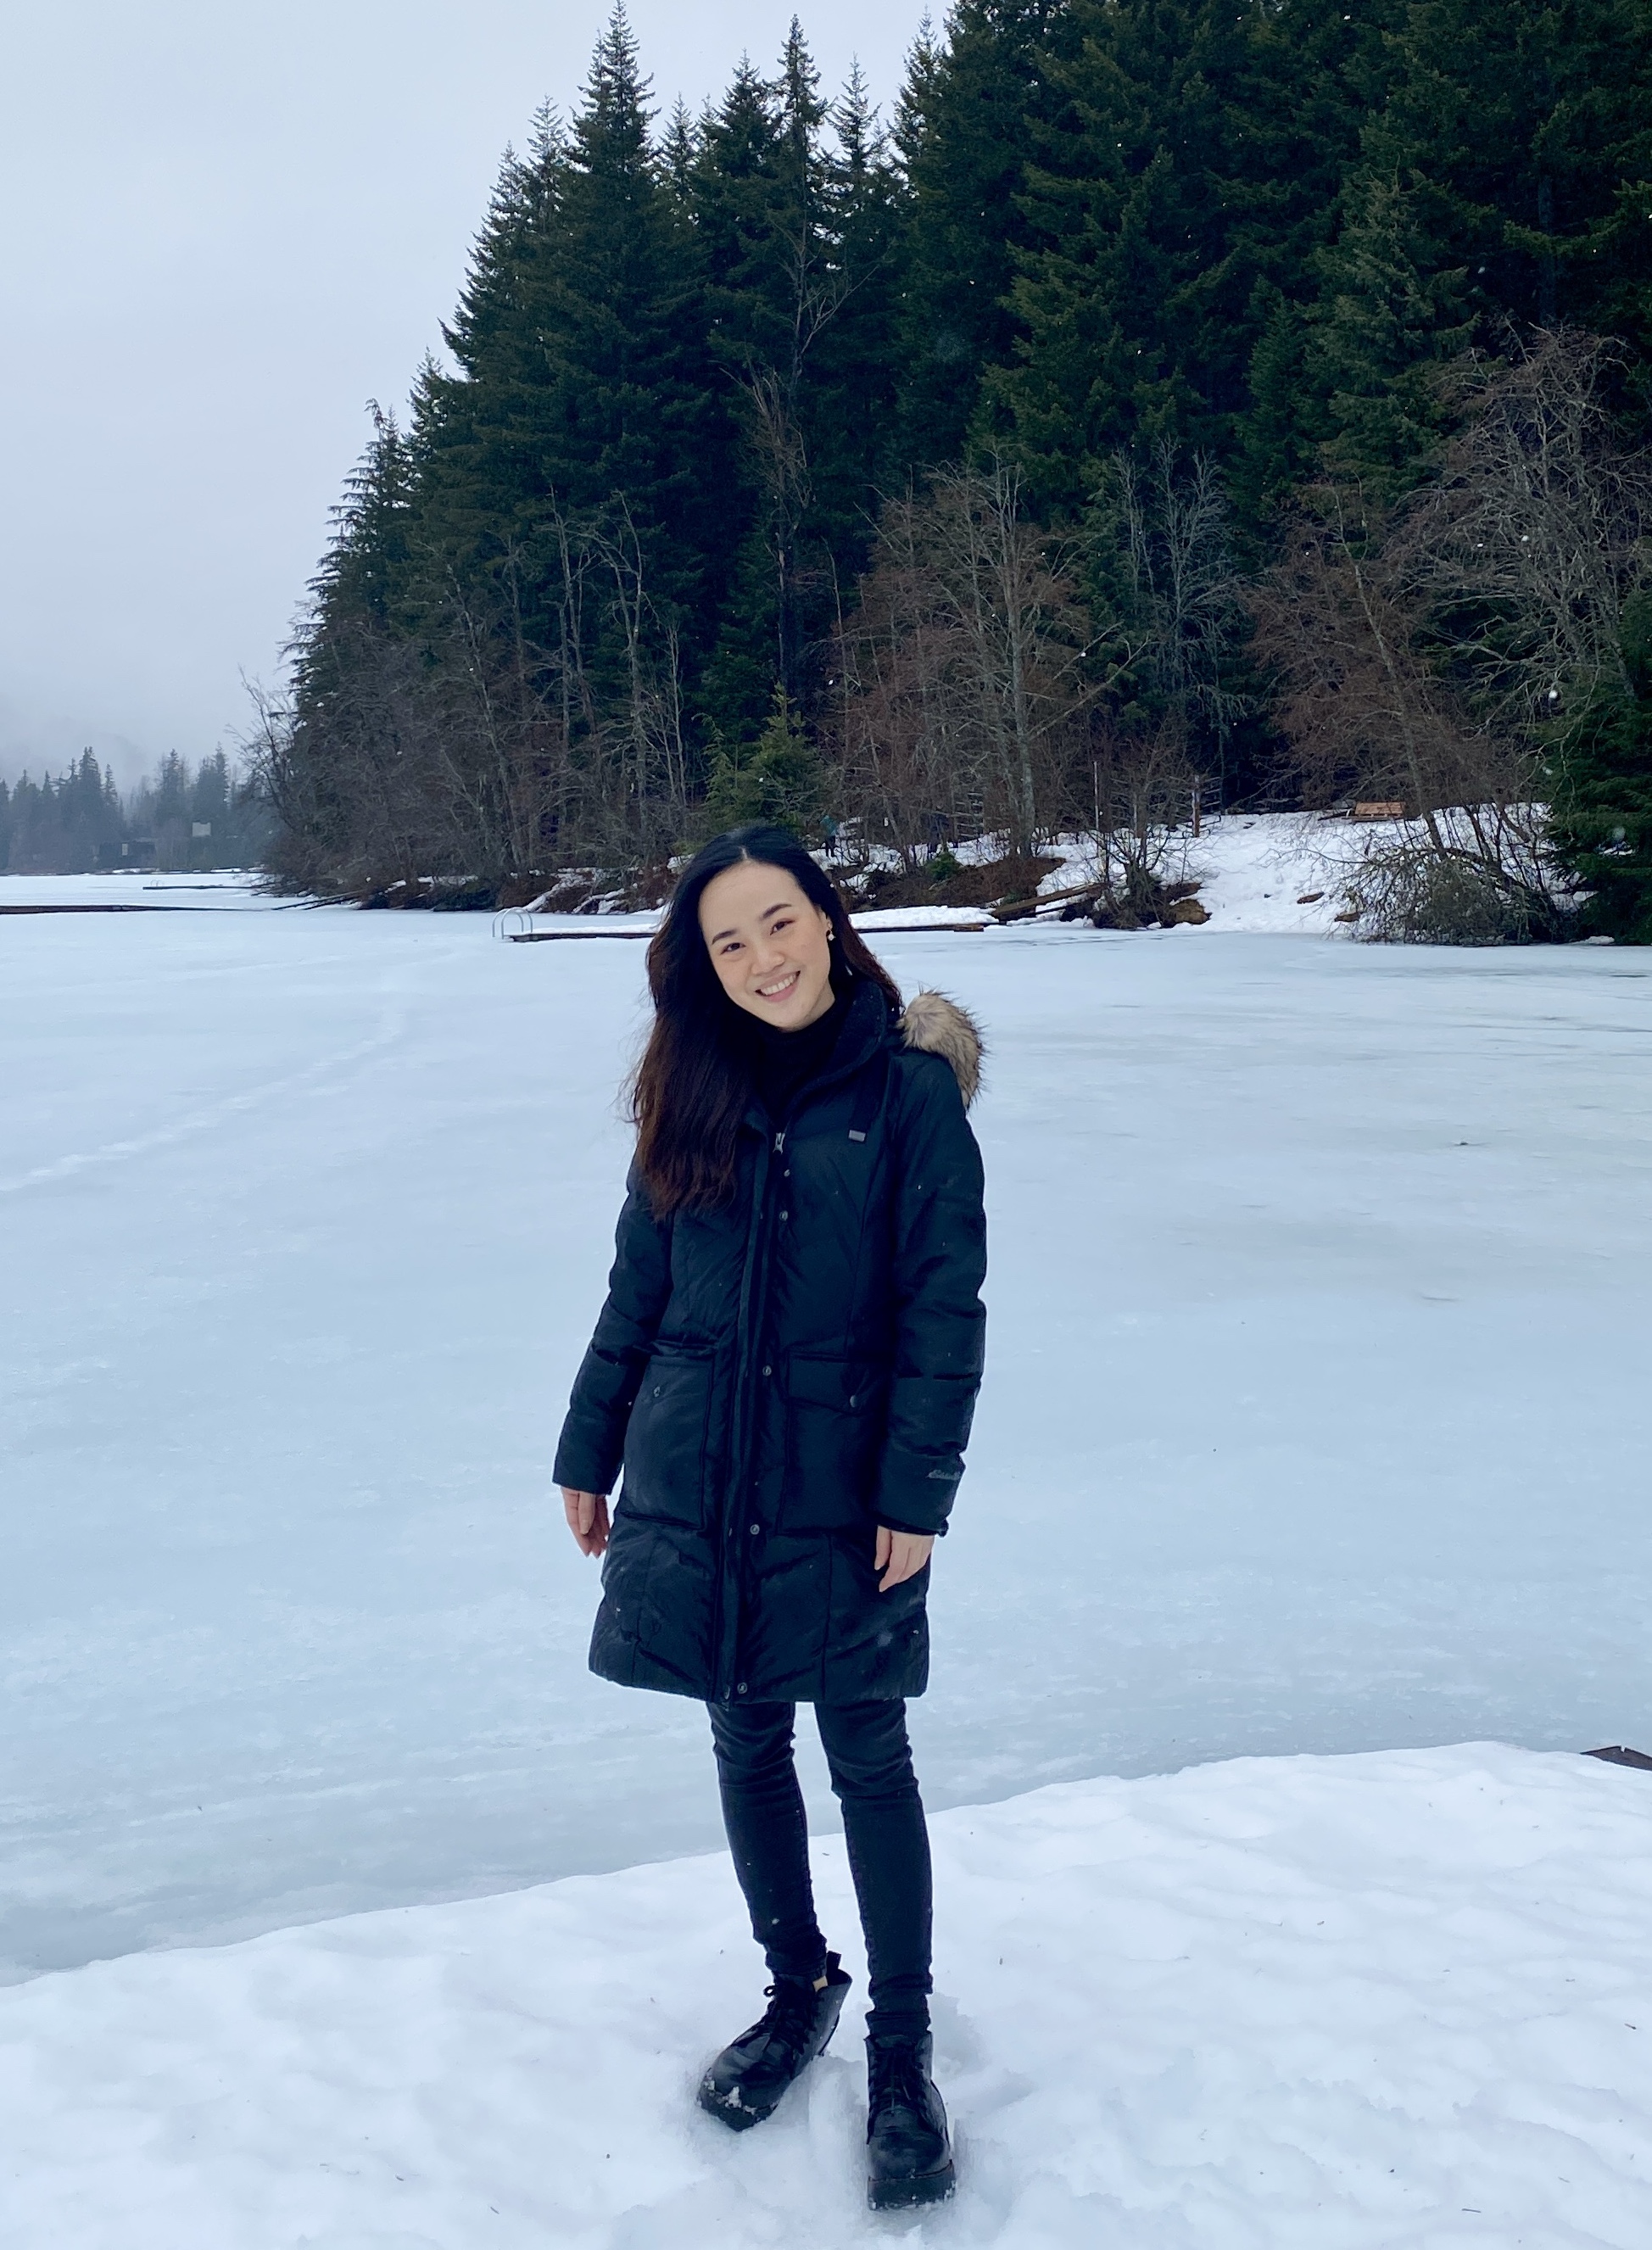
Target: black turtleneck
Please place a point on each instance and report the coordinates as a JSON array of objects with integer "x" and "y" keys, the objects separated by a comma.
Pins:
[{"x": 787, "y": 1060}]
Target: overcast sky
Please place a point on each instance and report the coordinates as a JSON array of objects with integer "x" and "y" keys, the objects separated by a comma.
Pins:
[{"x": 226, "y": 225}]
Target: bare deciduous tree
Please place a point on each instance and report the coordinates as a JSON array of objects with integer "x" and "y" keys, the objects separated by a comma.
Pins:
[
  {"x": 1526, "y": 549},
  {"x": 1429, "y": 654},
  {"x": 963, "y": 674},
  {"x": 1167, "y": 523}
]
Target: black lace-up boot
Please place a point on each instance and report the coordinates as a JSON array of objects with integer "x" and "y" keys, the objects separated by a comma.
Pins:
[
  {"x": 744, "y": 2084},
  {"x": 909, "y": 2152}
]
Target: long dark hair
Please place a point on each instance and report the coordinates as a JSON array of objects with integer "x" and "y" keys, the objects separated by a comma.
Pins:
[{"x": 694, "y": 1081}]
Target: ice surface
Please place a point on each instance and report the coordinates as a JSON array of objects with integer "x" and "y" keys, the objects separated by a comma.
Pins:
[
  {"x": 215, "y": 891},
  {"x": 1317, "y": 1417},
  {"x": 1398, "y": 2002}
]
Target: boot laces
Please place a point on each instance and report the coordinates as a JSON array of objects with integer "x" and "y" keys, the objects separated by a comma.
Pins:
[
  {"x": 790, "y": 2010},
  {"x": 898, "y": 2077}
]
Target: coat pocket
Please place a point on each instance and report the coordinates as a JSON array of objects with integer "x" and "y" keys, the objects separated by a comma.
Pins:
[
  {"x": 834, "y": 1428},
  {"x": 666, "y": 1440}
]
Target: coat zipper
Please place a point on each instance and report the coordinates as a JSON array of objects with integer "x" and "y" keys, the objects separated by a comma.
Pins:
[{"x": 727, "y": 1643}]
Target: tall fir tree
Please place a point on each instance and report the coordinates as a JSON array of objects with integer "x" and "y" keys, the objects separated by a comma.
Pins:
[
  {"x": 582, "y": 385},
  {"x": 1602, "y": 791},
  {"x": 1176, "y": 203},
  {"x": 1495, "y": 168},
  {"x": 859, "y": 361},
  {"x": 798, "y": 228},
  {"x": 1392, "y": 312},
  {"x": 973, "y": 101},
  {"x": 759, "y": 207}
]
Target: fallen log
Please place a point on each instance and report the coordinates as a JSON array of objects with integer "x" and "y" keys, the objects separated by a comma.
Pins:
[{"x": 1019, "y": 910}]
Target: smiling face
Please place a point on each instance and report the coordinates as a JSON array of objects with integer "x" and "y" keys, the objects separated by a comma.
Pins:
[{"x": 770, "y": 948}]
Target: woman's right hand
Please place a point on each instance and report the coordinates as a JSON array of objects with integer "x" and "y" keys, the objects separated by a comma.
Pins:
[{"x": 587, "y": 1513}]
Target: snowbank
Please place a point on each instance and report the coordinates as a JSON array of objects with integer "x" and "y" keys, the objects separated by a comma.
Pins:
[
  {"x": 901, "y": 918},
  {"x": 1348, "y": 2004},
  {"x": 1278, "y": 874},
  {"x": 1274, "y": 874}
]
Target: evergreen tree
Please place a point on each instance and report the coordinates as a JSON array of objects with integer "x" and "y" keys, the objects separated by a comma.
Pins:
[
  {"x": 366, "y": 590},
  {"x": 856, "y": 392},
  {"x": 1176, "y": 203},
  {"x": 209, "y": 802},
  {"x": 582, "y": 391},
  {"x": 1392, "y": 316},
  {"x": 797, "y": 226},
  {"x": 690, "y": 365},
  {"x": 1492, "y": 189},
  {"x": 762, "y": 201},
  {"x": 972, "y": 104},
  {"x": 70, "y": 825},
  {"x": 1602, "y": 791},
  {"x": 779, "y": 779},
  {"x": 1530, "y": 117},
  {"x": 366, "y": 572},
  {"x": 34, "y": 813}
]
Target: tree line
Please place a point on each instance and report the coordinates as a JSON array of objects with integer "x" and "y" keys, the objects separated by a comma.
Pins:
[
  {"x": 1174, "y": 399},
  {"x": 80, "y": 823}
]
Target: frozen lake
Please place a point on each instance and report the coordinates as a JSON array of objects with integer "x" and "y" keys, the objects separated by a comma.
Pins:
[{"x": 1317, "y": 1413}]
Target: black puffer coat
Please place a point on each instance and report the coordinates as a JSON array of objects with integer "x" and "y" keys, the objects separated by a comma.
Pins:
[{"x": 782, "y": 1376}]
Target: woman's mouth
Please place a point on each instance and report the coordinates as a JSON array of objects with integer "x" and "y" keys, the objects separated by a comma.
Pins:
[{"x": 780, "y": 989}]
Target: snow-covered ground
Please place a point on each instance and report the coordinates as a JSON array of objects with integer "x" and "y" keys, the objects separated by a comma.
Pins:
[
  {"x": 1277, "y": 874},
  {"x": 1398, "y": 2002},
  {"x": 1318, "y": 1415},
  {"x": 1317, "y": 1421}
]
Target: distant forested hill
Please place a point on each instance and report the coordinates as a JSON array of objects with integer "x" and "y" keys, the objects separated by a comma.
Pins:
[{"x": 1079, "y": 435}]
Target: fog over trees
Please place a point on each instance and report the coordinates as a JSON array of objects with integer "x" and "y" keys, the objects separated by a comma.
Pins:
[
  {"x": 80, "y": 823},
  {"x": 1241, "y": 399}
]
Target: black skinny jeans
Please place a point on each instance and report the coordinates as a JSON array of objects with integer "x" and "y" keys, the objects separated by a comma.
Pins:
[{"x": 888, "y": 1845}]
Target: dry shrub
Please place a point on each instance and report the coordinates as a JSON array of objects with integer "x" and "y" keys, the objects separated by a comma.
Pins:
[
  {"x": 1430, "y": 654},
  {"x": 1408, "y": 894}
]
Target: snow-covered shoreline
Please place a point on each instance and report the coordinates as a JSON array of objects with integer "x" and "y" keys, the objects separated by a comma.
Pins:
[
  {"x": 1400, "y": 2001},
  {"x": 1274, "y": 874}
]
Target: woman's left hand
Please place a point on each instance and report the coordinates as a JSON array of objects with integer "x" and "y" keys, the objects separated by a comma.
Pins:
[{"x": 901, "y": 1554}]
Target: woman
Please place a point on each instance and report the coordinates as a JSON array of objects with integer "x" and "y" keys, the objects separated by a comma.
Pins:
[{"x": 786, "y": 1367}]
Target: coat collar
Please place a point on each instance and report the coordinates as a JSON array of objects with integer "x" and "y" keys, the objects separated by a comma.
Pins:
[
  {"x": 869, "y": 1024},
  {"x": 931, "y": 1024}
]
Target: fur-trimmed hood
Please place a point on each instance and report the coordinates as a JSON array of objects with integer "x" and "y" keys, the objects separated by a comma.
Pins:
[{"x": 936, "y": 1025}]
